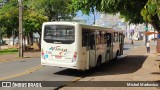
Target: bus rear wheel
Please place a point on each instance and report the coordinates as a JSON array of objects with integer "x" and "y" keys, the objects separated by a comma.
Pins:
[
  {"x": 116, "y": 58},
  {"x": 98, "y": 65}
]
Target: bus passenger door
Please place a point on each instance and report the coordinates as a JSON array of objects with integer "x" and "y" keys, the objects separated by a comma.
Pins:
[
  {"x": 121, "y": 41},
  {"x": 109, "y": 46},
  {"x": 89, "y": 38},
  {"x": 115, "y": 45},
  {"x": 92, "y": 52}
]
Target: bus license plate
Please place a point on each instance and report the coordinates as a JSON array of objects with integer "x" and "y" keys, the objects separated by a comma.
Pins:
[{"x": 58, "y": 57}]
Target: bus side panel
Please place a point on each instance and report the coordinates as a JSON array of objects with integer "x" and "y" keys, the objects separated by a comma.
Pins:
[
  {"x": 104, "y": 52},
  {"x": 115, "y": 44},
  {"x": 115, "y": 49},
  {"x": 42, "y": 45},
  {"x": 82, "y": 54}
]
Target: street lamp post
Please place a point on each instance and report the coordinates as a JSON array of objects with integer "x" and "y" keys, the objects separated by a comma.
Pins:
[
  {"x": 20, "y": 28},
  {"x": 94, "y": 18}
]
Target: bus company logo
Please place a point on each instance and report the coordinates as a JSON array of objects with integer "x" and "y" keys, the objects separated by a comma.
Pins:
[
  {"x": 61, "y": 53},
  {"x": 58, "y": 48}
]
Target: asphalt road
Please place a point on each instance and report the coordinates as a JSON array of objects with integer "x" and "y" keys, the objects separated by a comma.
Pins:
[{"x": 31, "y": 70}]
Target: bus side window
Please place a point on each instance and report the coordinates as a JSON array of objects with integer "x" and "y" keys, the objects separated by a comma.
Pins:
[
  {"x": 88, "y": 39},
  {"x": 92, "y": 41},
  {"x": 102, "y": 38},
  {"x": 97, "y": 37},
  {"x": 84, "y": 38},
  {"x": 120, "y": 37},
  {"x": 115, "y": 37},
  {"x": 108, "y": 38}
]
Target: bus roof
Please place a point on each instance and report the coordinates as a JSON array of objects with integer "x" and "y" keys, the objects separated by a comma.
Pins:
[{"x": 93, "y": 27}]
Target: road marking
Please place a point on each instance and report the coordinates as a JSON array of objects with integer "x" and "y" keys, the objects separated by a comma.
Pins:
[
  {"x": 74, "y": 80},
  {"x": 3, "y": 60},
  {"x": 16, "y": 59},
  {"x": 22, "y": 73}
]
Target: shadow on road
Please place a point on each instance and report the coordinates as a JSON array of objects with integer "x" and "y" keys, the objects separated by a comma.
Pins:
[
  {"x": 157, "y": 60},
  {"x": 128, "y": 64},
  {"x": 156, "y": 73},
  {"x": 158, "y": 81},
  {"x": 76, "y": 73}
]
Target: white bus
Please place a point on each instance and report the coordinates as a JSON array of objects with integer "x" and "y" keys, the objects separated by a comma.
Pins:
[{"x": 79, "y": 46}]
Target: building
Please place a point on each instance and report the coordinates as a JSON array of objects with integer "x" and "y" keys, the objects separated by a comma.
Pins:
[{"x": 111, "y": 21}]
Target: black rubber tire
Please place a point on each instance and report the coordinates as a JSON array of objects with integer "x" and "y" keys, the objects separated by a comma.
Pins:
[
  {"x": 116, "y": 58},
  {"x": 98, "y": 65}
]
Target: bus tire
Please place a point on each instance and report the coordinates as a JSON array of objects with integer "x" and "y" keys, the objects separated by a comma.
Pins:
[
  {"x": 116, "y": 58},
  {"x": 122, "y": 52},
  {"x": 98, "y": 65}
]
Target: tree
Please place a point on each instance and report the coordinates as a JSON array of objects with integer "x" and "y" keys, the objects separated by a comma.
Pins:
[
  {"x": 128, "y": 9},
  {"x": 32, "y": 23},
  {"x": 55, "y": 10},
  {"x": 35, "y": 12},
  {"x": 158, "y": 8},
  {"x": 9, "y": 18},
  {"x": 151, "y": 13}
]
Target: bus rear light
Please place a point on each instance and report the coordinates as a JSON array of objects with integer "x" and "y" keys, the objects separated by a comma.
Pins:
[
  {"x": 42, "y": 52},
  {"x": 74, "y": 57}
]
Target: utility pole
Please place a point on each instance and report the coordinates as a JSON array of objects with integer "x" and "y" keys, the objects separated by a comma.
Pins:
[
  {"x": 20, "y": 28},
  {"x": 94, "y": 18}
]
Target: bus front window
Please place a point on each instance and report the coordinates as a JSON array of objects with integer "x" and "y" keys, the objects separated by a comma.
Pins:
[{"x": 59, "y": 33}]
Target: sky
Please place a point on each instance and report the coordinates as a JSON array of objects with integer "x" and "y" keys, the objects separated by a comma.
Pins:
[{"x": 89, "y": 18}]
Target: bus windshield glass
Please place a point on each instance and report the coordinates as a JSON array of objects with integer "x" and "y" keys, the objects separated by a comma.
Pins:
[{"x": 59, "y": 34}]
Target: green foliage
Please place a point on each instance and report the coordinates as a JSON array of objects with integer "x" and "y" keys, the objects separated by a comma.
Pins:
[
  {"x": 9, "y": 18},
  {"x": 128, "y": 9},
  {"x": 8, "y": 51},
  {"x": 55, "y": 10},
  {"x": 33, "y": 20},
  {"x": 35, "y": 12},
  {"x": 133, "y": 11},
  {"x": 150, "y": 13},
  {"x": 158, "y": 8}
]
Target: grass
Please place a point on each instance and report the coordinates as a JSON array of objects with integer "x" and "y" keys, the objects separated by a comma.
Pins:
[{"x": 8, "y": 51}]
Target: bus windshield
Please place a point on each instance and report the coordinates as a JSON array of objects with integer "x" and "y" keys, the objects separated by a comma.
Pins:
[{"x": 59, "y": 34}]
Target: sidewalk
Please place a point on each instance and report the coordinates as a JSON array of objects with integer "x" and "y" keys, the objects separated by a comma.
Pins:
[
  {"x": 13, "y": 57},
  {"x": 138, "y": 66}
]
